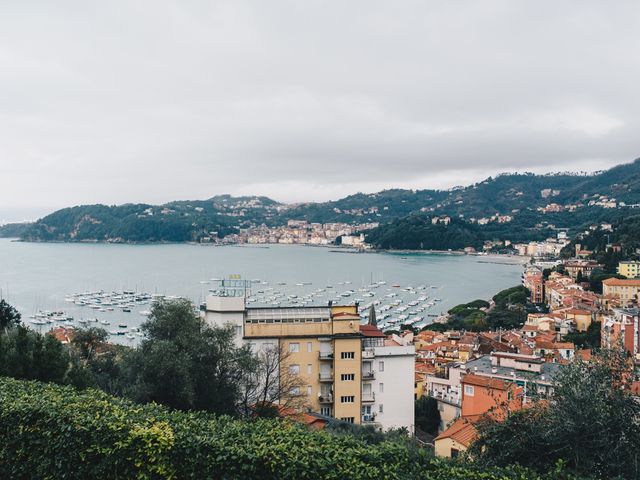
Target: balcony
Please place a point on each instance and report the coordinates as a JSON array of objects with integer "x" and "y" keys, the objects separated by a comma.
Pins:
[
  {"x": 369, "y": 418},
  {"x": 325, "y": 355},
  {"x": 367, "y": 353},
  {"x": 326, "y": 377},
  {"x": 325, "y": 399},
  {"x": 369, "y": 397},
  {"x": 370, "y": 375}
]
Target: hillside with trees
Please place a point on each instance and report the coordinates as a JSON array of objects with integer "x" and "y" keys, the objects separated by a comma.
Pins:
[{"x": 579, "y": 200}]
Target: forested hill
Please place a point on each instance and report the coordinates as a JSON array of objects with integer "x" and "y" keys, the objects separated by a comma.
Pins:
[
  {"x": 179, "y": 221},
  {"x": 533, "y": 203},
  {"x": 13, "y": 230}
]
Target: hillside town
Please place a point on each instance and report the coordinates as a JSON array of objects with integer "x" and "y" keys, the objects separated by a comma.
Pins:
[{"x": 301, "y": 232}]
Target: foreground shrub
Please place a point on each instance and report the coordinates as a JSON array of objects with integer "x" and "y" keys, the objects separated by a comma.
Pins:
[{"x": 49, "y": 431}]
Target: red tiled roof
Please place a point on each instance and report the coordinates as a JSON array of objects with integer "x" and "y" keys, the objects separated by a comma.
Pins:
[
  {"x": 463, "y": 430},
  {"x": 619, "y": 282},
  {"x": 480, "y": 381},
  {"x": 370, "y": 331}
]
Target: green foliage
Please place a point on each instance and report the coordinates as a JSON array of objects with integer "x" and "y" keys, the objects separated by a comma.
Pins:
[
  {"x": 50, "y": 432},
  {"x": 596, "y": 278},
  {"x": 185, "y": 364},
  {"x": 417, "y": 232},
  {"x": 88, "y": 340},
  {"x": 13, "y": 230},
  {"x": 509, "y": 312},
  {"x": 427, "y": 415},
  {"x": 511, "y": 296},
  {"x": 9, "y": 316},
  {"x": 592, "y": 424},
  {"x": 588, "y": 339},
  {"x": 25, "y": 354}
]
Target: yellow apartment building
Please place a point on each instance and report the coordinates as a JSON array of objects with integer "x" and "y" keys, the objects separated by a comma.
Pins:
[
  {"x": 630, "y": 269},
  {"x": 324, "y": 348},
  {"x": 344, "y": 367},
  {"x": 625, "y": 289}
]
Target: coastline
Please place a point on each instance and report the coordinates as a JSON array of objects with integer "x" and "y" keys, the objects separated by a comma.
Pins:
[{"x": 496, "y": 258}]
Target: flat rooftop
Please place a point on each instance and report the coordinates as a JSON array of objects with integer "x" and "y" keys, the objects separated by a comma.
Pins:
[{"x": 483, "y": 366}]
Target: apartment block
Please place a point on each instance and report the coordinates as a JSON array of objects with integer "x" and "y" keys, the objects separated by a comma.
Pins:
[
  {"x": 630, "y": 269},
  {"x": 351, "y": 372},
  {"x": 623, "y": 326},
  {"x": 626, "y": 290}
]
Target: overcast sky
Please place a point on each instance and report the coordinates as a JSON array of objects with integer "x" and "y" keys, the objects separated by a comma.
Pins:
[{"x": 151, "y": 101}]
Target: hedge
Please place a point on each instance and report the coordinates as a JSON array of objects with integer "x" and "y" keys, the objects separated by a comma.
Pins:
[{"x": 54, "y": 432}]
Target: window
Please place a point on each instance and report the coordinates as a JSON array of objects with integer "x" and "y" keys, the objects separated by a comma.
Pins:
[
  {"x": 347, "y": 355},
  {"x": 468, "y": 390},
  {"x": 309, "y": 368},
  {"x": 326, "y": 411},
  {"x": 294, "y": 347},
  {"x": 294, "y": 369},
  {"x": 347, "y": 399},
  {"x": 348, "y": 377},
  {"x": 454, "y": 452},
  {"x": 381, "y": 408},
  {"x": 381, "y": 387},
  {"x": 309, "y": 390},
  {"x": 347, "y": 419},
  {"x": 309, "y": 347},
  {"x": 381, "y": 366},
  {"x": 295, "y": 391}
]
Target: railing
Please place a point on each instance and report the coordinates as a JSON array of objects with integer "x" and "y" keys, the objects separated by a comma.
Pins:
[
  {"x": 369, "y": 418},
  {"x": 369, "y": 397},
  {"x": 325, "y": 399},
  {"x": 325, "y": 377},
  {"x": 325, "y": 355},
  {"x": 367, "y": 354},
  {"x": 369, "y": 375}
]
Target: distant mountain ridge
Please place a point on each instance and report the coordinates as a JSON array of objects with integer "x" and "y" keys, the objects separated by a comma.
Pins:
[{"x": 520, "y": 196}]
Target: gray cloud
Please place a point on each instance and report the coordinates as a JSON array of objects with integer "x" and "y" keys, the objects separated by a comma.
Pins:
[{"x": 156, "y": 100}]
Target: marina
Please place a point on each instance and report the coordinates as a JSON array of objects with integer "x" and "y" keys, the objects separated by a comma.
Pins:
[{"x": 111, "y": 286}]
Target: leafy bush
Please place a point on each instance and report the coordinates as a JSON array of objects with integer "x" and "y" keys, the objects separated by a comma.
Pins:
[
  {"x": 591, "y": 424},
  {"x": 49, "y": 431}
]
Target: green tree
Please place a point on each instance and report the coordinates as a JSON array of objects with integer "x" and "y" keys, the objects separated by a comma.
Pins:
[
  {"x": 185, "y": 364},
  {"x": 88, "y": 340},
  {"x": 427, "y": 415},
  {"x": 9, "y": 316},
  {"x": 588, "y": 339},
  {"x": 592, "y": 423}
]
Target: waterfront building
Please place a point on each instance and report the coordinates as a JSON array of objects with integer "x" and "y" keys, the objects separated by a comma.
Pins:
[{"x": 351, "y": 372}]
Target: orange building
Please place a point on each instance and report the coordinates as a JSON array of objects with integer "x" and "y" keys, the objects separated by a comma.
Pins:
[
  {"x": 481, "y": 395},
  {"x": 533, "y": 281}
]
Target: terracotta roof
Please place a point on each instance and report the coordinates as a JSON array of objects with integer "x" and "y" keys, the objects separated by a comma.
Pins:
[
  {"x": 370, "y": 331},
  {"x": 463, "y": 430},
  {"x": 63, "y": 334},
  {"x": 577, "y": 311},
  {"x": 554, "y": 345},
  {"x": 619, "y": 282},
  {"x": 480, "y": 381}
]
